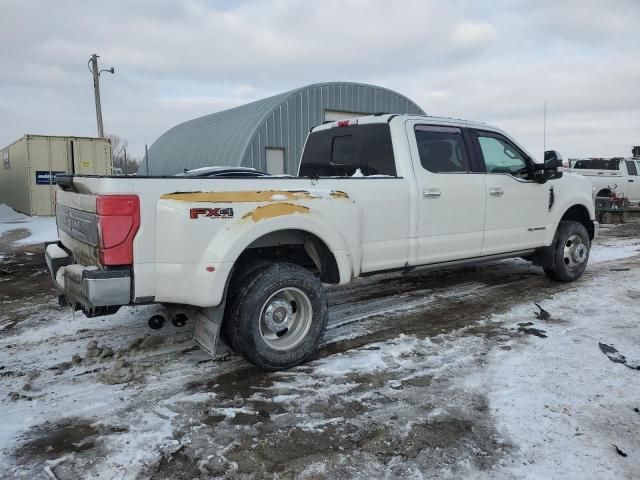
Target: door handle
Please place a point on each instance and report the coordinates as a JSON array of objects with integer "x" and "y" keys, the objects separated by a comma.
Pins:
[
  {"x": 496, "y": 192},
  {"x": 630, "y": 181},
  {"x": 431, "y": 193}
]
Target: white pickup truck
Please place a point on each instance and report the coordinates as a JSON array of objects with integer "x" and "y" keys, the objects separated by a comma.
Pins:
[
  {"x": 619, "y": 175},
  {"x": 251, "y": 254}
]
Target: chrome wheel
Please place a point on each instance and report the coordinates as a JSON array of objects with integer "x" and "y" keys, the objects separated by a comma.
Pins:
[
  {"x": 575, "y": 252},
  {"x": 285, "y": 318}
]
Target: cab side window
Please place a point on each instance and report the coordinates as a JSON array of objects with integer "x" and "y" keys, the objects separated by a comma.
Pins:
[
  {"x": 500, "y": 156},
  {"x": 442, "y": 149},
  {"x": 631, "y": 168}
]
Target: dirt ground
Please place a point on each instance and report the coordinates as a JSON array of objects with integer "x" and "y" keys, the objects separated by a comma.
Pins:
[{"x": 395, "y": 391}]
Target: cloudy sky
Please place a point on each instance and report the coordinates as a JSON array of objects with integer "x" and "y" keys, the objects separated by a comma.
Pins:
[{"x": 493, "y": 61}]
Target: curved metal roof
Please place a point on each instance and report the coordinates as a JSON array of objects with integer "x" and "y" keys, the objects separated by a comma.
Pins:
[{"x": 223, "y": 138}]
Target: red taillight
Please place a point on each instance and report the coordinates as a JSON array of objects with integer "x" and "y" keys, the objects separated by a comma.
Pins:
[{"x": 118, "y": 223}]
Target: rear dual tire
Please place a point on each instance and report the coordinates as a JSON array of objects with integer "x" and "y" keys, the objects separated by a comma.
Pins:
[{"x": 276, "y": 315}]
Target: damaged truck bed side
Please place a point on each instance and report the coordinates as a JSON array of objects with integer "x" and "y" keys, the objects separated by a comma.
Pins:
[{"x": 250, "y": 255}]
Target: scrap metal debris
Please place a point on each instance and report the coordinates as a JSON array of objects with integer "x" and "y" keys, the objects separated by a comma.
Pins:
[
  {"x": 618, "y": 451},
  {"x": 533, "y": 331},
  {"x": 615, "y": 356},
  {"x": 542, "y": 314},
  {"x": 52, "y": 464}
]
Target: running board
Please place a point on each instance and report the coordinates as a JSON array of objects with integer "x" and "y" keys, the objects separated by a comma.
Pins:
[{"x": 455, "y": 263}]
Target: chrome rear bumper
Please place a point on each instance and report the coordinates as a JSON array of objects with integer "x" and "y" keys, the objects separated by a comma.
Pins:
[{"x": 87, "y": 287}]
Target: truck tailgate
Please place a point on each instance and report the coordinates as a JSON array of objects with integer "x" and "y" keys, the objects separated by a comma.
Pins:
[{"x": 78, "y": 226}]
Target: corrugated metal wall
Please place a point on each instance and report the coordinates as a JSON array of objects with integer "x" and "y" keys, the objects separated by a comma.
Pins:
[
  {"x": 288, "y": 124},
  {"x": 34, "y": 157},
  {"x": 241, "y": 135}
]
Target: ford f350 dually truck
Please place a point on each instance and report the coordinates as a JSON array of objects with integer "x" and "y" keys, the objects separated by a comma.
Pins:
[
  {"x": 250, "y": 254},
  {"x": 619, "y": 175}
]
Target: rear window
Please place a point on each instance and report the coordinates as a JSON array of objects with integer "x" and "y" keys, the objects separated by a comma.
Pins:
[
  {"x": 598, "y": 164},
  {"x": 442, "y": 149},
  {"x": 342, "y": 151}
]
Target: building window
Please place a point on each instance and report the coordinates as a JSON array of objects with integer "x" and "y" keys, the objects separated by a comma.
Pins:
[{"x": 5, "y": 159}]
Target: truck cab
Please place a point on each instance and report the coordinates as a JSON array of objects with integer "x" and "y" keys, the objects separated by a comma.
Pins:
[{"x": 473, "y": 190}]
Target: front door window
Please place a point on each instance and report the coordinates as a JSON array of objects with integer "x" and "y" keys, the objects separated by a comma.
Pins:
[{"x": 502, "y": 157}]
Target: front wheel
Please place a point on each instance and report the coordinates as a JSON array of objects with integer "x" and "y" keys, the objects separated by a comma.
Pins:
[
  {"x": 572, "y": 247},
  {"x": 279, "y": 317}
]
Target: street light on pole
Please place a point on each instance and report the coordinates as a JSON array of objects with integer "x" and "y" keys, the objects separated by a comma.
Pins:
[{"x": 93, "y": 68}]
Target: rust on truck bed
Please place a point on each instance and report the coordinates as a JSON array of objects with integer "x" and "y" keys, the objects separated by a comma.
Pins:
[{"x": 275, "y": 210}]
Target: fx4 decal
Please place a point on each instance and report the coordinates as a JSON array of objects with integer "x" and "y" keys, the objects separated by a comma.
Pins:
[{"x": 195, "y": 213}]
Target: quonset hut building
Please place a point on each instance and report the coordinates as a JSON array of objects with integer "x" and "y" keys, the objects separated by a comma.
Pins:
[{"x": 268, "y": 134}]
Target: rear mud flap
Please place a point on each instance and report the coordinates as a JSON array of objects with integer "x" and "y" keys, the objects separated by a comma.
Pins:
[{"x": 206, "y": 328}]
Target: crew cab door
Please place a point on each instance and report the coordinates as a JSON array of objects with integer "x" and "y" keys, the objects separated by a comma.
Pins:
[
  {"x": 517, "y": 208},
  {"x": 451, "y": 196},
  {"x": 633, "y": 181}
]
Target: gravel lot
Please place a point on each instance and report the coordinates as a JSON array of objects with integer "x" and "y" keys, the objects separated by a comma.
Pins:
[{"x": 420, "y": 375}]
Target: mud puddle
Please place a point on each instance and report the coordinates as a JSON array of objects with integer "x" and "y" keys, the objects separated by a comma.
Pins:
[{"x": 25, "y": 284}]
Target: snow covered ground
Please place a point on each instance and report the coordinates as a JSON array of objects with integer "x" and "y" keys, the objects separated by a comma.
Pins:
[
  {"x": 425, "y": 375},
  {"x": 40, "y": 229}
]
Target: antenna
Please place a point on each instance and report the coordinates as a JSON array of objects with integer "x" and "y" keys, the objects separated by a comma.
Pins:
[{"x": 544, "y": 128}]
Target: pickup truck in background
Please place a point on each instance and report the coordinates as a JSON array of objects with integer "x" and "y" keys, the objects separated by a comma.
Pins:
[
  {"x": 619, "y": 175},
  {"x": 250, "y": 254}
]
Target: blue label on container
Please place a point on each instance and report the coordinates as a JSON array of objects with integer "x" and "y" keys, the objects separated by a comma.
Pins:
[{"x": 45, "y": 177}]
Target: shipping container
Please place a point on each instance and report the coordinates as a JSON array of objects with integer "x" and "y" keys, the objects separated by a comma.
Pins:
[{"x": 30, "y": 164}]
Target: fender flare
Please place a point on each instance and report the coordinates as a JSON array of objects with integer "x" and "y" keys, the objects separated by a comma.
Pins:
[{"x": 242, "y": 233}]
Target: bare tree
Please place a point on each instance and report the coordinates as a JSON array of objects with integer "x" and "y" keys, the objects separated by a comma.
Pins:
[{"x": 118, "y": 149}]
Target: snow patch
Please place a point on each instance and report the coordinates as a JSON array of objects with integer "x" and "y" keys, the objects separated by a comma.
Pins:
[
  {"x": 8, "y": 215},
  {"x": 54, "y": 251},
  {"x": 560, "y": 400},
  {"x": 613, "y": 251},
  {"x": 42, "y": 229},
  {"x": 315, "y": 425}
]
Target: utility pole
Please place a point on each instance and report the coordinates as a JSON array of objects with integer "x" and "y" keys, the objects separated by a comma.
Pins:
[
  {"x": 146, "y": 158},
  {"x": 93, "y": 68}
]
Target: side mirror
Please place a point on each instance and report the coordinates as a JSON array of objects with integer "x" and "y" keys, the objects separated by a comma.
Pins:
[{"x": 552, "y": 164}]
